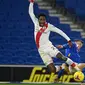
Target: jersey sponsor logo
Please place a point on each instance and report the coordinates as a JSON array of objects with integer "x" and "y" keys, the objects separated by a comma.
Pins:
[{"x": 69, "y": 54}]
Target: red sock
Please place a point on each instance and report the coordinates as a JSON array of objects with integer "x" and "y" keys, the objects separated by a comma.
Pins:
[{"x": 73, "y": 64}]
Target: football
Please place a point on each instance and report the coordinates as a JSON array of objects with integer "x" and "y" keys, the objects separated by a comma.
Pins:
[{"x": 78, "y": 76}]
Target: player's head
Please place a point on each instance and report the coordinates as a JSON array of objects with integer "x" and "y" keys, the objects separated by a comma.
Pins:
[
  {"x": 42, "y": 19},
  {"x": 79, "y": 43}
]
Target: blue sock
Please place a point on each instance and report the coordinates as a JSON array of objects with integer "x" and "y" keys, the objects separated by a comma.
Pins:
[{"x": 60, "y": 73}]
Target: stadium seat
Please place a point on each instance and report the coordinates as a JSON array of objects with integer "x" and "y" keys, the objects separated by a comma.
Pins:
[{"x": 17, "y": 45}]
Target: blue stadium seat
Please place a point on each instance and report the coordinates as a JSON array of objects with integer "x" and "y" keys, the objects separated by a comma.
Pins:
[
  {"x": 60, "y": 2},
  {"x": 17, "y": 45},
  {"x": 71, "y": 5},
  {"x": 74, "y": 7},
  {"x": 54, "y": 20}
]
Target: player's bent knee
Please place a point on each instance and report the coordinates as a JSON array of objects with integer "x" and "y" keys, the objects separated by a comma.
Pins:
[{"x": 51, "y": 68}]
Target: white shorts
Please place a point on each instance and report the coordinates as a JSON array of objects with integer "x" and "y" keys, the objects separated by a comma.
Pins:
[{"x": 47, "y": 54}]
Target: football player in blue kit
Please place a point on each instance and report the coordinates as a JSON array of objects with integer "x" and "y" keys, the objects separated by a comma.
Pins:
[{"x": 72, "y": 53}]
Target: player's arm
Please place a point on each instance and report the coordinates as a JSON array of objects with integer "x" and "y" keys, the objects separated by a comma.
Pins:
[
  {"x": 64, "y": 46},
  {"x": 60, "y": 46},
  {"x": 31, "y": 11},
  {"x": 55, "y": 29}
]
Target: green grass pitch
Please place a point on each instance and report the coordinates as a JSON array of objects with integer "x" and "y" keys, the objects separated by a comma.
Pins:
[{"x": 38, "y": 84}]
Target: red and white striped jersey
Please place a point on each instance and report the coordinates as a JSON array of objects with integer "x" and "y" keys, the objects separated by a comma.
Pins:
[{"x": 42, "y": 33}]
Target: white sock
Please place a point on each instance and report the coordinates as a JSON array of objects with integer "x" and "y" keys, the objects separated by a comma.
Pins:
[
  {"x": 57, "y": 68},
  {"x": 71, "y": 63}
]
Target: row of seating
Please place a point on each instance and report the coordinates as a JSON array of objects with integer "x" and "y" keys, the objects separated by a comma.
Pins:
[
  {"x": 75, "y": 7},
  {"x": 17, "y": 45}
]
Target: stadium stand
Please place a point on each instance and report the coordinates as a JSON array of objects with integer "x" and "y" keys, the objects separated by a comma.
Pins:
[
  {"x": 75, "y": 7},
  {"x": 17, "y": 45}
]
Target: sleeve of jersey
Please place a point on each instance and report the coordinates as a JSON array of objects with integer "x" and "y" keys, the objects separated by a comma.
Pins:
[
  {"x": 65, "y": 46},
  {"x": 55, "y": 29},
  {"x": 31, "y": 13}
]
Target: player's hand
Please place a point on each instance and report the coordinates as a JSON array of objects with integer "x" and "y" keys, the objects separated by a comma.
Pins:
[
  {"x": 59, "y": 46},
  {"x": 31, "y": 1},
  {"x": 70, "y": 43}
]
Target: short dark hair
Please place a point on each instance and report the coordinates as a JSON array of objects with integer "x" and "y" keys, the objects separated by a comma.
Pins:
[
  {"x": 76, "y": 40},
  {"x": 42, "y": 14}
]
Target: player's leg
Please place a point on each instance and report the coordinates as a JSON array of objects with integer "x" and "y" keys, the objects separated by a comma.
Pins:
[
  {"x": 71, "y": 70},
  {"x": 61, "y": 72},
  {"x": 55, "y": 52},
  {"x": 81, "y": 66},
  {"x": 67, "y": 60},
  {"x": 48, "y": 61},
  {"x": 64, "y": 69},
  {"x": 58, "y": 68},
  {"x": 51, "y": 67}
]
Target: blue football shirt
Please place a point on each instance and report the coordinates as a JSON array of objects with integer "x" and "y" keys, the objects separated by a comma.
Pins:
[{"x": 72, "y": 52}]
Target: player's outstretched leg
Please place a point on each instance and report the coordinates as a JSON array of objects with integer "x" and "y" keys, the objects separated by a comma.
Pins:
[
  {"x": 81, "y": 66},
  {"x": 67, "y": 60}
]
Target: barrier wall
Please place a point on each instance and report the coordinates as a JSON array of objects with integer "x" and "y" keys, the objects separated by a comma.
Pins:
[{"x": 26, "y": 74}]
